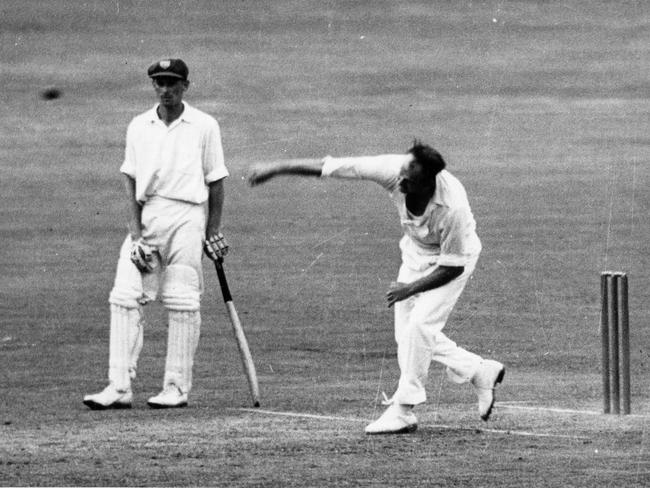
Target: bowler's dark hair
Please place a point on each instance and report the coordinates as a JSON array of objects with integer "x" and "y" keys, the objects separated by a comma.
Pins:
[{"x": 430, "y": 159}]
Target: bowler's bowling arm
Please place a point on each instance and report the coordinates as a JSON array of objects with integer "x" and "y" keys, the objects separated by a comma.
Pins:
[{"x": 261, "y": 173}]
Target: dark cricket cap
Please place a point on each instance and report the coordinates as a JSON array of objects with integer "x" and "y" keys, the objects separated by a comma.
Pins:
[{"x": 175, "y": 68}]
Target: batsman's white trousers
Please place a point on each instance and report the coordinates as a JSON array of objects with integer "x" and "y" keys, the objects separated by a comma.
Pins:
[
  {"x": 419, "y": 321},
  {"x": 176, "y": 230}
]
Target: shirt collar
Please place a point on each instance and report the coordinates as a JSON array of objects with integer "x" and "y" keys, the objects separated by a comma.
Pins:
[
  {"x": 437, "y": 194},
  {"x": 188, "y": 115}
]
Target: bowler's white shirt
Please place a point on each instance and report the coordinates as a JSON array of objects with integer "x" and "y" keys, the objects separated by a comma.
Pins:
[
  {"x": 176, "y": 161},
  {"x": 445, "y": 234}
]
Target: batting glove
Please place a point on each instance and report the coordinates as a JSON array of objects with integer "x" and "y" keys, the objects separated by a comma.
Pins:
[
  {"x": 142, "y": 256},
  {"x": 215, "y": 246}
]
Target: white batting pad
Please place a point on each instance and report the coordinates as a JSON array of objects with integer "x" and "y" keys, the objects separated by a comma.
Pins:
[
  {"x": 182, "y": 341},
  {"x": 125, "y": 335},
  {"x": 181, "y": 288},
  {"x": 136, "y": 340}
]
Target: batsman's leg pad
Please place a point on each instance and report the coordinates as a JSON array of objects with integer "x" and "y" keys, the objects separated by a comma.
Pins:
[
  {"x": 136, "y": 340},
  {"x": 128, "y": 289},
  {"x": 125, "y": 331},
  {"x": 181, "y": 290},
  {"x": 182, "y": 341}
]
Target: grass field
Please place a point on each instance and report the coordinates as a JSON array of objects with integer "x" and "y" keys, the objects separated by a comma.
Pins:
[{"x": 540, "y": 108}]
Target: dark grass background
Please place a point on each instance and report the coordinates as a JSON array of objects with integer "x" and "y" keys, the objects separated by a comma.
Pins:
[{"x": 541, "y": 108}]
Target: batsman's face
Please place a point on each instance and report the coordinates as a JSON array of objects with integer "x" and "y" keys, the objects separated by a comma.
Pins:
[
  {"x": 413, "y": 179},
  {"x": 170, "y": 90}
]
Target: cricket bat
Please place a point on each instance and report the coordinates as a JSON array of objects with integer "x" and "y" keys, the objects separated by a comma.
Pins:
[{"x": 242, "y": 343}]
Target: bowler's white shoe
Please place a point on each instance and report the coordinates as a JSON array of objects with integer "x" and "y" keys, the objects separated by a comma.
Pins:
[
  {"x": 489, "y": 375},
  {"x": 109, "y": 397},
  {"x": 395, "y": 420},
  {"x": 170, "y": 397}
]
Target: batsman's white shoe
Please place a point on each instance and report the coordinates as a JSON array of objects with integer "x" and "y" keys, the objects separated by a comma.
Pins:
[
  {"x": 395, "y": 420},
  {"x": 489, "y": 375},
  {"x": 170, "y": 397},
  {"x": 109, "y": 397}
]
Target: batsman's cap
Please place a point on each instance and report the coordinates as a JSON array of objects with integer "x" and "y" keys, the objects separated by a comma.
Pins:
[{"x": 175, "y": 68}]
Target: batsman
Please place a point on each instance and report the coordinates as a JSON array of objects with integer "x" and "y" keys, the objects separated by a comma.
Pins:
[
  {"x": 174, "y": 175},
  {"x": 439, "y": 248}
]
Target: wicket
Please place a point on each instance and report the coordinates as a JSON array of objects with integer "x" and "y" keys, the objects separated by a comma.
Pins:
[{"x": 615, "y": 339}]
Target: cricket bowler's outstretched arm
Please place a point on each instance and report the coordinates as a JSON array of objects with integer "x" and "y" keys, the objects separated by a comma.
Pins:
[{"x": 261, "y": 173}]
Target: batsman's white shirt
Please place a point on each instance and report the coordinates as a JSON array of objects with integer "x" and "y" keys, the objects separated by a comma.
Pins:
[
  {"x": 445, "y": 234},
  {"x": 176, "y": 161},
  {"x": 172, "y": 167}
]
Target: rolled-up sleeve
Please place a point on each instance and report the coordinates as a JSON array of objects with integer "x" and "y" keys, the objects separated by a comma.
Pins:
[
  {"x": 128, "y": 165},
  {"x": 214, "y": 167},
  {"x": 382, "y": 169}
]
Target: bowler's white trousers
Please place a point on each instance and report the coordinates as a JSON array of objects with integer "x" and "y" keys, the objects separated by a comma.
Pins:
[{"x": 419, "y": 321}]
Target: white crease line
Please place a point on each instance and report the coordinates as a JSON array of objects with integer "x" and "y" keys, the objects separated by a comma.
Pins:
[
  {"x": 299, "y": 415},
  {"x": 545, "y": 409},
  {"x": 565, "y": 410},
  {"x": 522, "y": 433}
]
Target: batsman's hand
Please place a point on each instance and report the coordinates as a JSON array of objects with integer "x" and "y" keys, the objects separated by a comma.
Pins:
[
  {"x": 397, "y": 292},
  {"x": 142, "y": 256},
  {"x": 215, "y": 246}
]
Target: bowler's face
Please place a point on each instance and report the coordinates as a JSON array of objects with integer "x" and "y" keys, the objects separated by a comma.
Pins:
[
  {"x": 413, "y": 180},
  {"x": 170, "y": 90}
]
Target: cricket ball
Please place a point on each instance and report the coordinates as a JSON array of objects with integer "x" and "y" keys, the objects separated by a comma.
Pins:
[{"x": 51, "y": 93}]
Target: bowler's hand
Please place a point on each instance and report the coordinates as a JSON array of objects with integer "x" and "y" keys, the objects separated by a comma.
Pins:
[
  {"x": 397, "y": 292},
  {"x": 259, "y": 174}
]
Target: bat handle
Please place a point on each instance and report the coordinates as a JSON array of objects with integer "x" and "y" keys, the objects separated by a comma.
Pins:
[{"x": 225, "y": 290}]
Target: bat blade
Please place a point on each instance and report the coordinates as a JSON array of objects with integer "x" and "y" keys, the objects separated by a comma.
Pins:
[
  {"x": 240, "y": 336},
  {"x": 244, "y": 351}
]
